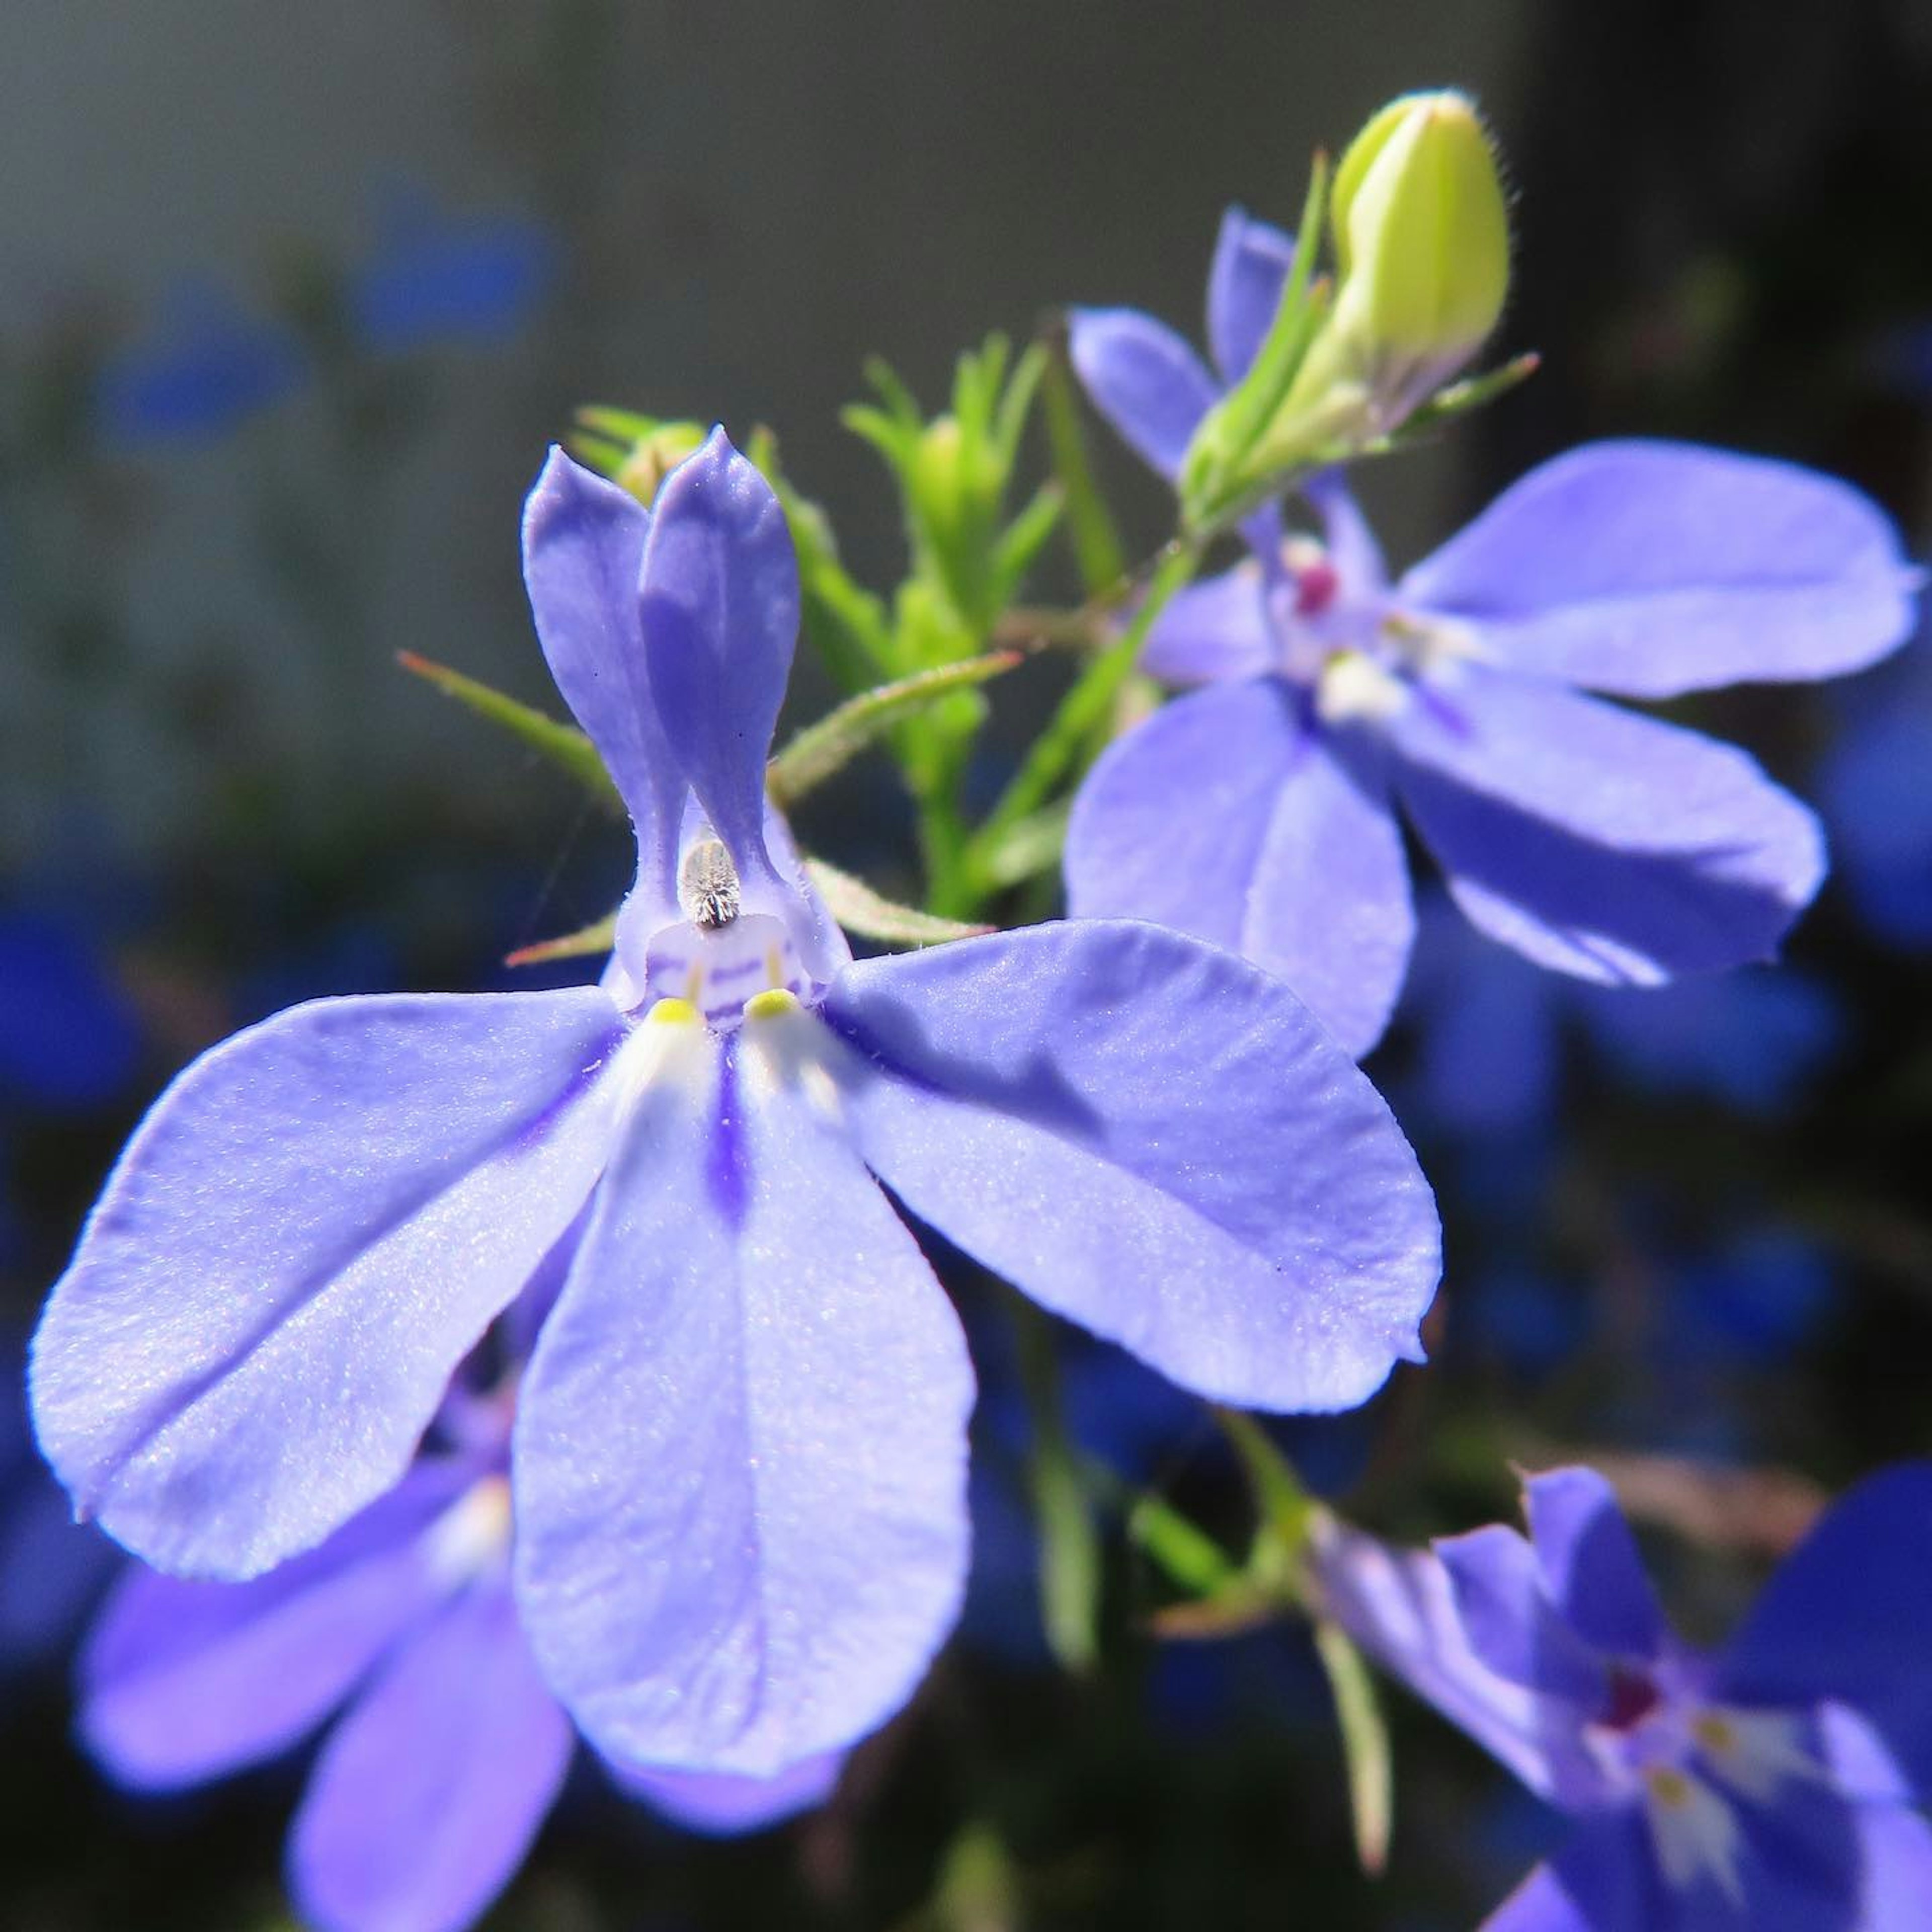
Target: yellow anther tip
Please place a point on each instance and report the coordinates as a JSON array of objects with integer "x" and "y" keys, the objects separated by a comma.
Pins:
[
  {"x": 1668, "y": 1787},
  {"x": 673, "y": 1012},
  {"x": 770, "y": 1004}
]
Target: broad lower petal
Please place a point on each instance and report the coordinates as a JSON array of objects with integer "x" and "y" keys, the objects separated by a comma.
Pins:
[
  {"x": 1154, "y": 1139},
  {"x": 1650, "y": 569},
  {"x": 182, "y": 1680},
  {"x": 583, "y": 547},
  {"x": 1604, "y": 1878},
  {"x": 310, "y": 1230},
  {"x": 1252, "y": 260},
  {"x": 430, "y": 1791},
  {"x": 740, "y": 1455},
  {"x": 1598, "y": 842},
  {"x": 718, "y": 598},
  {"x": 1590, "y": 1563},
  {"x": 722, "y": 1807},
  {"x": 1844, "y": 1618},
  {"x": 1225, "y": 816},
  {"x": 1144, "y": 379},
  {"x": 1895, "y": 1851},
  {"x": 1213, "y": 632}
]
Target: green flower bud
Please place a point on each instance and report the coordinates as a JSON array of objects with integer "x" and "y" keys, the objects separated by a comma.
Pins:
[
  {"x": 1422, "y": 244},
  {"x": 654, "y": 455}
]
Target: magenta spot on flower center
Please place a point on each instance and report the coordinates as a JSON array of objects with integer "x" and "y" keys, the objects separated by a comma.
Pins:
[
  {"x": 1633, "y": 1696},
  {"x": 1317, "y": 583}
]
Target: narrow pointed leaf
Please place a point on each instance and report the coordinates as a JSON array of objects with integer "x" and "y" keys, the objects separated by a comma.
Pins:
[
  {"x": 564, "y": 746},
  {"x": 859, "y": 910},
  {"x": 1191, "y": 1557},
  {"x": 1365, "y": 1744},
  {"x": 1069, "y": 1544},
  {"x": 824, "y": 747},
  {"x": 598, "y": 936}
]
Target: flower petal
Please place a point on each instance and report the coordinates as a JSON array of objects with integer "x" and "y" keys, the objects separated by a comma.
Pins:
[
  {"x": 583, "y": 546},
  {"x": 1510, "y": 1622},
  {"x": 1590, "y": 1564},
  {"x": 1895, "y": 1847},
  {"x": 1598, "y": 842},
  {"x": 1399, "y": 1607},
  {"x": 740, "y": 1459},
  {"x": 1143, "y": 379},
  {"x": 1224, "y": 816},
  {"x": 1650, "y": 569},
  {"x": 182, "y": 1680},
  {"x": 1213, "y": 631},
  {"x": 1251, "y": 262},
  {"x": 308, "y": 1234},
  {"x": 723, "y": 1807},
  {"x": 719, "y": 601},
  {"x": 1604, "y": 1878},
  {"x": 1155, "y": 1140},
  {"x": 429, "y": 1793},
  {"x": 1844, "y": 1618}
]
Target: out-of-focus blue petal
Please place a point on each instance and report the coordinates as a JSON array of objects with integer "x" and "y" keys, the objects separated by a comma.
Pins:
[
  {"x": 1400, "y": 1608},
  {"x": 1535, "y": 1322},
  {"x": 583, "y": 550},
  {"x": 428, "y": 1794},
  {"x": 69, "y": 1036},
  {"x": 740, "y": 1455},
  {"x": 1224, "y": 815},
  {"x": 52, "y": 1569},
  {"x": 1751, "y": 1039},
  {"x": 724, "y": 1807},
  {"x": 1154, "y": 1139},
  {"x": 1596, "y": 1579},
  {"x": 1604, "y": 1879},
  {"x": 204, "y": 372},
  {"x": 1600, "y": 843},
  {"x": 1650, "y": 568},
  {"x": 1251, "y": 262},
  {"x": 1895, "y": 1849},
  {"x": 1213, "y": 631},
  {"x": 1502, "y": 1600},
  {"x": 312, "y": 1228},
  {"x": 1844, "y": 1618},
  {"x": 1755, "y": 1300},
  {"x": 433, "y": 282},
  {"x": 181, "y": 1681},
  {"x": 1873, "y": 790},
  {"x": 1144, "y": 379}
]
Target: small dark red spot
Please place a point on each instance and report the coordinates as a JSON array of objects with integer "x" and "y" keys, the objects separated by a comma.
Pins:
[
  {"x": 1316, "y": 584},
  {"x": 1633, "y": 1696}
]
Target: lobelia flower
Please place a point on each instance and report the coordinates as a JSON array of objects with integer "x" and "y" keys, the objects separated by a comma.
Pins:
[
  {"x": 448, "y": 1751},
  {"x": 740, "y": 1450},
  {"x": 1766, "y": 1785},
  {"x": 1259, "y": 811}
]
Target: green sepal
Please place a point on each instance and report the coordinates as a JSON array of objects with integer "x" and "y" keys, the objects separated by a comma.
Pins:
[
  {"x": 822, "y": 749},
  {"x": 564, "y": 746},
  {"x": 598, "y": 936},
  {"x": 859, "y": 910},
  {"x": 1365, "y": 1744}
]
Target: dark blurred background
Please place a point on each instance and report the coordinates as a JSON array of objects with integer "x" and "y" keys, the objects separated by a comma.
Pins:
[{"x": 291, "y": 300}]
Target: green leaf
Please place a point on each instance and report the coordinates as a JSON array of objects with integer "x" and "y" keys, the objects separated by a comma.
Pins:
[
  {"x": 1021, "y": 541},
  {"x": 858, "y": 909},
  {"x": 563, "y": 745},
  {"x": 1097, "y": 549},
  {"x": 824, "y": 748},
  {"x": 1070, "y": 1541},
  {"x": 1191, "y": 1557},
  {"x": 1024, "y": 849},
  {"x": 1287, "y": 1513},
  {"x": 1365, "y": 1744}
]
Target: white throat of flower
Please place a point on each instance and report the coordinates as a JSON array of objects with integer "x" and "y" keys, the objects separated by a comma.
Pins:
[{"x": 719, "y": 957}]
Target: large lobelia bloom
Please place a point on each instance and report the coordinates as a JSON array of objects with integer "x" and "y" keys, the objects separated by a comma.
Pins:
[
  {"x": 1259, "y": 811},
  {"x": 739, "y": 1463},
  {"x": 1766, "y": 1787},
  {"x": 448, "y": 1752}
]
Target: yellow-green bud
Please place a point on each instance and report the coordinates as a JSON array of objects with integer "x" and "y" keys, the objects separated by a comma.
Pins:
[
  {"x": 1422, "y": 244},
  {"x": 654, "y": 454}
]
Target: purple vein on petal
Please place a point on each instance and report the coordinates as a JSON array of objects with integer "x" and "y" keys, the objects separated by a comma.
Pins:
[{"x": 725, "y": 1176}]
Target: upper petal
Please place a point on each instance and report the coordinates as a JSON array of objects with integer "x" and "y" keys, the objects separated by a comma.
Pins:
[
  {"x": 1590, "y": 1564},
  {"x": 308, "y": 1234},
  {"x": 1215, "y": 630},
  {"x": 1224, "y": 816},
  {"x": 182, "y": 1680},
  {"x": 1844, "y": 1618},
  {"x": 1144, "y": 379},
  {"x": 1510, "y": 1621},
  {"x": 583, "y": 545},
  {"x": 429, "y": 1793},
  {"x": 1599, "y": 842},
  {"x": 1251, "y": 262},
  {"x": 1155, "y": 1139},
  {"x": 1650, "y": 568},
  {"x": 740, "y": 1455},
  {"x": 718, "y": 597}
]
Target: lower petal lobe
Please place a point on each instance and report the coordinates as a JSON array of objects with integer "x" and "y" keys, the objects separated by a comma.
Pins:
[
  {"x": 1155, "y": 1139},
  {"x": 740, "y": 1455},
  {"x": 1598, "y": 842},
  {"x": 311, "y": 1230}
]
